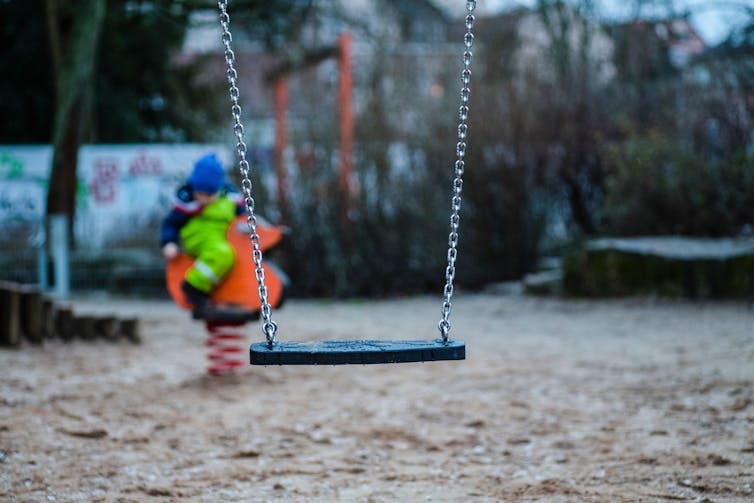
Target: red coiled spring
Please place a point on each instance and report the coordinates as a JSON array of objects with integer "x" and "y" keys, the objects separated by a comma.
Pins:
[{"x": 227, "y": 351}]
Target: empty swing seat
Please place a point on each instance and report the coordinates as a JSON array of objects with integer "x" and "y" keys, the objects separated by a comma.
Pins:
[{"x": 355, "y": 352}]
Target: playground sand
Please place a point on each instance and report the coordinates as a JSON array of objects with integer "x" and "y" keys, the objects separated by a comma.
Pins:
[{"x": 558, "y": 401}]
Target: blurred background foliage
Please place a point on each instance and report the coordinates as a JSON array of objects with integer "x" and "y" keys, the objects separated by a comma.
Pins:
[
  {"x": 144, "y": 93},
  {"x": 656, "y": 187},
  {"x": 579, "y": 128}
]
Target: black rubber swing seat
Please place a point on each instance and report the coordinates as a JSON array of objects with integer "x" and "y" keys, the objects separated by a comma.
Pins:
[{"x": 355, "y": 352}]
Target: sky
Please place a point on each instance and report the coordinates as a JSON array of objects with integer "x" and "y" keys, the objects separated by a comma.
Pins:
[{"x": 713, "y": 19}]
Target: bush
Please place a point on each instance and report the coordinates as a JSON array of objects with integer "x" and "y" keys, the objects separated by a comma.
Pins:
[
  {"x": 395, "y": 238},
  {"x": 653, "y": 187}
]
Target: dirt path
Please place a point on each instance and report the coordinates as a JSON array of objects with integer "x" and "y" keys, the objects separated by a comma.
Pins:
[{"x": 623, "y": 401}]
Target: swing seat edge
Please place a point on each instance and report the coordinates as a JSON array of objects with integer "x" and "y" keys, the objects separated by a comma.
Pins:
[{"x": 362, "y": 352}]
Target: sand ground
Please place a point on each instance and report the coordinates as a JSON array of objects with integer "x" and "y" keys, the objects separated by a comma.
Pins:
[{"x": 558, "y": 400}]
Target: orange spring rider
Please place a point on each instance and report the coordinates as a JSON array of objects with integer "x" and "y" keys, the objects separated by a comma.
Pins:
[{"x": 237, "y": 292}]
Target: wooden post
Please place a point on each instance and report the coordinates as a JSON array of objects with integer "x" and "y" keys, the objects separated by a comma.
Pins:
[
  {"x": 129, "y": 328},
  {"x": 64, "y": 323},
  {"x": 83, "y": 326},
  {"x": 10, "y": 309},
  {"x": 107, "y": 328},
  {"x": 31, "y": 314},
  {"x": 48, "y": 318}
]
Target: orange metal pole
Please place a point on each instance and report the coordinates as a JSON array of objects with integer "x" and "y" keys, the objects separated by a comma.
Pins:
[
  {"x": 281, "y": 138},
  {"x": 346, "y": 119}
]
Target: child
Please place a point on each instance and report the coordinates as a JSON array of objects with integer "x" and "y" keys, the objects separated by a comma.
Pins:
[{"x": 204, "y": 208}]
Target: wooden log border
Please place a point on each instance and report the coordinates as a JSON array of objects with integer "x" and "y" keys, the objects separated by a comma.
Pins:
[{"x": 27, "y": 314}]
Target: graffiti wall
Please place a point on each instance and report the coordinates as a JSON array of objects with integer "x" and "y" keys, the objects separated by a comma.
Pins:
[
  {"x": 24, "y": 171},
  {"x": 123, "y": 192}
]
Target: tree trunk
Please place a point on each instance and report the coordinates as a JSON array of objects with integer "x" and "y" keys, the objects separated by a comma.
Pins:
[{"x": 74, "y": 27}]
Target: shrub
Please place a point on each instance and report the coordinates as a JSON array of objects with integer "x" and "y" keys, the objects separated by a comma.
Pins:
[{"x": 654, "y": 186}]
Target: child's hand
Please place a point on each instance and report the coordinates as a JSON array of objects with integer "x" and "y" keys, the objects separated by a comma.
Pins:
[{"x": 170, "y": 251}]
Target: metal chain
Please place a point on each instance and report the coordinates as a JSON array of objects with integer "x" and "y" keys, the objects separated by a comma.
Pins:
[
  {"x": 269, "y": 327},
  {"x": 463, "y": 129}
]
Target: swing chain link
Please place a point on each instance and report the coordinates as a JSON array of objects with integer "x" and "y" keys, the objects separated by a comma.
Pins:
[
  {"x": 269, "y": 327},
  {"x": 463, "y": 128}
]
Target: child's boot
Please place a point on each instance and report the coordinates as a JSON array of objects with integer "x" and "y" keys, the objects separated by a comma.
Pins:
[{"x": 199, "y": 300}]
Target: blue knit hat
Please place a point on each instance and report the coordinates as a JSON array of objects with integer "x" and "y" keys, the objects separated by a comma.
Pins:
[{"x": 208, "y": 175}]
